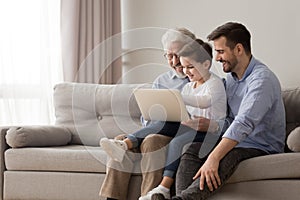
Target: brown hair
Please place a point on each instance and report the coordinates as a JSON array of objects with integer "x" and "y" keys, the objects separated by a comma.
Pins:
[
  {"x": 198, "y": 50},
  {"x": 234, "y": 33}
]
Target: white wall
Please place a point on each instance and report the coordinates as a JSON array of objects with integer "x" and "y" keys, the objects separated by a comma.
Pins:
[{"x": 274, "y": 26}]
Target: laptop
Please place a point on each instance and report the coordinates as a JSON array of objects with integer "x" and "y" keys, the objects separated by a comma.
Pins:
[{"x": 161, "y": 104}]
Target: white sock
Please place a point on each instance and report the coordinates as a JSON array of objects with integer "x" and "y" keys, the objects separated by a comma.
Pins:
[{"x": 163, "y": 188}]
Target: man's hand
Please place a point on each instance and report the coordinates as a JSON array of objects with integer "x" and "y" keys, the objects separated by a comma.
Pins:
[
  {"x": 209, "y": 173},
  {"x": 202, "y": 124}
]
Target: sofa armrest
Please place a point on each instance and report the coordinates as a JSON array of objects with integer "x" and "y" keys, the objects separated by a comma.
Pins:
[{"x": 3, "y": 147}]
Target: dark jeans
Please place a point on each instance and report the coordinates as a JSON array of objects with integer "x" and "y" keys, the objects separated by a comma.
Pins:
[
  {"x": 181, "y": 135},
  {"x": 190, "y": 163}
]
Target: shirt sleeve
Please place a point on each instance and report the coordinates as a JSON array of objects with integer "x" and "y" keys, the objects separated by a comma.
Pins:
[
  {"x": 155, "y": 84},
  {"x": 198, "y": 101},
  {"x": 143, "y": 121},
  {"x": 216, "y": 91},
  {"x": 256, "y": 102}
]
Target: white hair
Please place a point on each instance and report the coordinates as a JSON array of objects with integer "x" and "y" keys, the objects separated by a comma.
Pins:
[{"x": 181, "y": 35}]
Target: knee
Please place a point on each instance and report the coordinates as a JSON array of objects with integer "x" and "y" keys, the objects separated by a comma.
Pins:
[
  {"x": 176, "y": 143},
  {"x": 154, "y": 142}
]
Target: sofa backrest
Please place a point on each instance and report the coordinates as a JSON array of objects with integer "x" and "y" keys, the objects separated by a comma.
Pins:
[
  {"x": 291, "y": 99},
  {"x": 93, "y": 111}
]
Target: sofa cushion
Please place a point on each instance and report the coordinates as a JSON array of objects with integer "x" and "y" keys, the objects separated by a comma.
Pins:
[
  {"x": 93, "y": 111},
  {"x": 37, "y": 136},
  {"x": 71, "y": 158},
  {"x": 291, "y": 98},
  {"x": 293, "y": 140},
  {"x": 275, "y": 166}
]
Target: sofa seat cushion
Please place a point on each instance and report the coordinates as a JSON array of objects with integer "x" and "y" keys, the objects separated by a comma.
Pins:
[
  {"x": 72, "y": 158},
  {"x": 276, "y": 166}
]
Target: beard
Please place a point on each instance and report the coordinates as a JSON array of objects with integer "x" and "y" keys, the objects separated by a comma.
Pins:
[
  {"x": 229, "y": 65},
  {"x": 179, "y": 74}
]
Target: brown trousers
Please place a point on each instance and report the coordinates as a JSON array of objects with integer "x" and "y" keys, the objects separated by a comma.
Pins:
[{"x": 152, "y": 154}]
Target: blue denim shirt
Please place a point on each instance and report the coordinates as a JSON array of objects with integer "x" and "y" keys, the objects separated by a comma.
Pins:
[
  {"x": 170, "y": 80},
  {"x": 256, "y": 109}
]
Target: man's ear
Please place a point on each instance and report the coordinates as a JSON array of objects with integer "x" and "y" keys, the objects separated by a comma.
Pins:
[{"x": 239, "y": 48}]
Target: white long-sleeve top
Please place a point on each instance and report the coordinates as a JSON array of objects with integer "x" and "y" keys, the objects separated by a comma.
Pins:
[{"x": 207, "y": 100}]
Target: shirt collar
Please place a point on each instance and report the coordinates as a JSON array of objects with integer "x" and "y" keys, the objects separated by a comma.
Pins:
[
  {"x": 248, "y": 70},
  {"x": 173, "y": 74}
]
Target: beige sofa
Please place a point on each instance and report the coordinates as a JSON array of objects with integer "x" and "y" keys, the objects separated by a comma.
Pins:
[{"x": 65, "y": 162}]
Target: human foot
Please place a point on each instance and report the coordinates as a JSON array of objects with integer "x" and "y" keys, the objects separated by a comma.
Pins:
[
  {"x": 114, "y": 148},
  {"x": 156, "y": 191}
]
